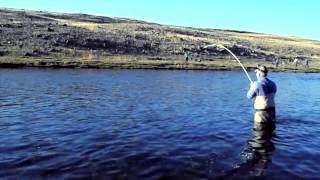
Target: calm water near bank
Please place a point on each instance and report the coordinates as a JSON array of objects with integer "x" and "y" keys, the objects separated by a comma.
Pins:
[{"x": 145, "y": 124}]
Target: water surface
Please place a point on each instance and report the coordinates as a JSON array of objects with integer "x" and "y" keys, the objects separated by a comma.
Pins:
[{"x": 144, "y": 124}]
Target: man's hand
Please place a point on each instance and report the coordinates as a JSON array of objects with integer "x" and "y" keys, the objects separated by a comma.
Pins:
[{"x": 252, "y": 83}]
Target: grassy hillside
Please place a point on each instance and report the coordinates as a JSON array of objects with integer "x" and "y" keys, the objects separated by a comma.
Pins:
[{"x": 33, "y": 38}]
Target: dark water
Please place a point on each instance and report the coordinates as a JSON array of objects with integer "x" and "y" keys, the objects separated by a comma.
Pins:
[{"x": 106, "y": 124}]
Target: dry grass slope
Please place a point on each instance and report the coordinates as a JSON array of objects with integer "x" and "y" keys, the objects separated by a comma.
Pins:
[{"x": 35, "y": 38}]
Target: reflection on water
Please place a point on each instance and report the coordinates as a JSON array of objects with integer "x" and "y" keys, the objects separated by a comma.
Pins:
[
  {"x": 261, "y": 148},
  {"x": 258, "y": 152}
]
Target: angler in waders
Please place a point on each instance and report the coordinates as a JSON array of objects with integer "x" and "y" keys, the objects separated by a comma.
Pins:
[{"x": 263, "y": 90}]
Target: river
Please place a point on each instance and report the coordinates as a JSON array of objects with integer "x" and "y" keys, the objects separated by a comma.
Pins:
[{"x": 145, "y": 124}]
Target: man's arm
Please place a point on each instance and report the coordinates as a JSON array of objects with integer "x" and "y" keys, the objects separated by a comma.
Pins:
[{"x": 252, "y": 91}]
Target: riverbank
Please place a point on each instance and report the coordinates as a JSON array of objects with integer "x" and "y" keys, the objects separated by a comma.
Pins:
[
  {"x": 141, "y": 62},
  {"x": 60, "y": 40}
]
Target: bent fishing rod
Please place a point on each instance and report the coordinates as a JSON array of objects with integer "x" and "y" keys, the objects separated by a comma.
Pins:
[{"x": 244, "y": 69}]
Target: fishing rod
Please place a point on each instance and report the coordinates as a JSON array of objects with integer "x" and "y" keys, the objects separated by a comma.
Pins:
[{"x": 244, "y": 69}]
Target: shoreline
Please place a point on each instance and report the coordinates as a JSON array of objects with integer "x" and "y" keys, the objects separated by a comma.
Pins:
[{"x": 135, "y": 62}]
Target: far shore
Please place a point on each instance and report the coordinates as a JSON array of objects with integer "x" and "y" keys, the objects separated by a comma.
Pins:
[
  {"x": 62, "y": 40},
  {"x": 141, "y": 62}
]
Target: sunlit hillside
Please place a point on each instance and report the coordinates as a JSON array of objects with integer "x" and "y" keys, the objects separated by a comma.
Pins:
[{"x": 36, "y": 38}]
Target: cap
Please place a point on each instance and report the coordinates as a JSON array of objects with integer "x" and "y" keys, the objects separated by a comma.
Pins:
[{"x": 262, "y": 69}]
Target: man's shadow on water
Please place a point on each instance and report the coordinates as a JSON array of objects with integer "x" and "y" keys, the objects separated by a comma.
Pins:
[
  {"x": 258, "y": 153},
  {"x": 260, "y": 149}
]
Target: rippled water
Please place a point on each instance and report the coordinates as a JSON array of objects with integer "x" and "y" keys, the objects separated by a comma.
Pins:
[{"x": 143, "y": 124}]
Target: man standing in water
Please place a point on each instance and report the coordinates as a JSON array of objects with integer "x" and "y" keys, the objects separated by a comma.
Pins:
[{"x": 263, "y": 90}]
